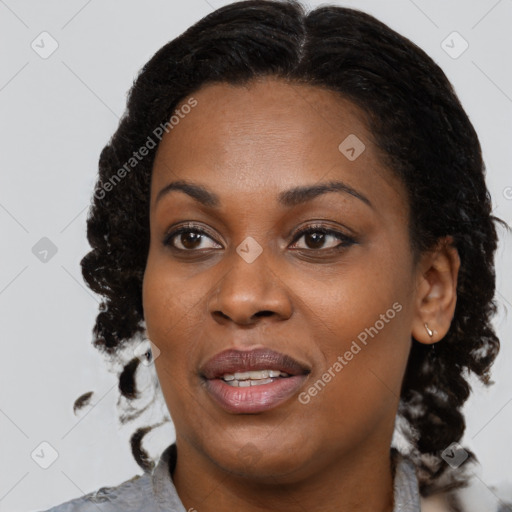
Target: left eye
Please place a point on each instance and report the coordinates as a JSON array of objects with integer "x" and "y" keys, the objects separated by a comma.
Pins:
[{"x": 317, "y": 237}]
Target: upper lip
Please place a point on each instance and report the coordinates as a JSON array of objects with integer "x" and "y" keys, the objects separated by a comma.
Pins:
[{"x": 231, "y": 361}]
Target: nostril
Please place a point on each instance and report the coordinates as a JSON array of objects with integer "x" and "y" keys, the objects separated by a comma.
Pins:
[
  {"x": 264, "y": 313},
  {"x": 254, "y": 317}
]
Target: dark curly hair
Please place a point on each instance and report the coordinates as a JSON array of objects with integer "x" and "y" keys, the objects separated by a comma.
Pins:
[{"x": 424, "y": 136}]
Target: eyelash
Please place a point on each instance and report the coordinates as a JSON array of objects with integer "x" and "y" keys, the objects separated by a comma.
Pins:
[{"x": 345, "y": 241}]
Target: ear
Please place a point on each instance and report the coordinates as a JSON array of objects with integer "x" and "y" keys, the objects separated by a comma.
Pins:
[{"x": 436, "y": 291}]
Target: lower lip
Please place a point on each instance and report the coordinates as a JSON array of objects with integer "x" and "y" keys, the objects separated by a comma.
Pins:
[{"x": 253, "y": 399}]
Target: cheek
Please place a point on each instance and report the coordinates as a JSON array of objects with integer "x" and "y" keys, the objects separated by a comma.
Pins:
[
  {"x": 363, "y": 333},
  {"x": 170, "y": 304},
  {"x": 354, "y": 299},
  {"x": 170, "y": 297},
  {"x": 169, "y": 307},
  {"x": 175, "y": 304}
]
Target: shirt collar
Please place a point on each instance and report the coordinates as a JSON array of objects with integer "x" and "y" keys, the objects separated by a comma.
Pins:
[{"x": 405, "y": 484}]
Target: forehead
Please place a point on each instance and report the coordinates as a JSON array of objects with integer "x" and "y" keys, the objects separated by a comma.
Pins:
[{"x": 269, "y": 135}]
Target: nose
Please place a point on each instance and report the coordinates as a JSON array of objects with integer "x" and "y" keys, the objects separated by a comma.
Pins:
[{"x": 249, "y": 291}]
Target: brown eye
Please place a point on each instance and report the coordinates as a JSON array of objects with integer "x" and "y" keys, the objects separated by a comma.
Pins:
[
  {"x": 189, "y": 239},
  {"x": 321, "y": 238},
  {"x": 315, "y": 240}
]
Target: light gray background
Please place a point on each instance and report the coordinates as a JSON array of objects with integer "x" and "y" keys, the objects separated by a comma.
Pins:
[{"x": 57, "y": 114}]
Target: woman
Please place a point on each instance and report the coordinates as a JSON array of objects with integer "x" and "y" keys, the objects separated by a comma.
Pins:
[{"x": 293, "y": 210}]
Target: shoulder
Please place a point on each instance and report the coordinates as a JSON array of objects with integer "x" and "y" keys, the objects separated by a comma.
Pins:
[
  {"x": 150, "y": 492},
  {"x": 458, "y": 490},
  {"x": 134, "y": 494},
  {"x": 474, "y": 497}
]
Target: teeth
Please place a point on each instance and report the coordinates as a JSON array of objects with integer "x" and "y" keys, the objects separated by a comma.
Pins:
[
  {"x": 253, "y": 378},
  {"x": 263, "y": 374},
  {"x": 259, "y": 382},
  {"x": 260, "y": 374},
  {"x": 247, "y": 383}
]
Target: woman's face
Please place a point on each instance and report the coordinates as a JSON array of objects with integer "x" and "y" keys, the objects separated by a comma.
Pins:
[{"x": 257, "y": 162}]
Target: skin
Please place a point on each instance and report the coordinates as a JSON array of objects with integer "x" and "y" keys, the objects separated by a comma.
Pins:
[{"x": 247, "y": 145}]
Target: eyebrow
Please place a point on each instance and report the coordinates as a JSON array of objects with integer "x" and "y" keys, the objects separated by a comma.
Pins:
[{"x": 288, "y": 198}]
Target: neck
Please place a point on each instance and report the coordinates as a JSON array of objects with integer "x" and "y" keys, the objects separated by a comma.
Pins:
[{"x": 355, "y": 482}]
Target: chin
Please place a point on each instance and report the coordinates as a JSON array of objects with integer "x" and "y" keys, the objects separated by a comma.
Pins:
[{"x": 267, "y": 460}]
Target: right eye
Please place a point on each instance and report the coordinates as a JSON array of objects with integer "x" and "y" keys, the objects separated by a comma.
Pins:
[{"x": 189, "y": 238}]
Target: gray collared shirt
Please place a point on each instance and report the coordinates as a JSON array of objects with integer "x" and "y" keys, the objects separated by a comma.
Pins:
[{"x": 155, "y": 491}]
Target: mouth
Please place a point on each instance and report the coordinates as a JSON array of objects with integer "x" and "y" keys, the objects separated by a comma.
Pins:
[
  {"x": 254, "y": 378},
  {"x": 252, "y": 381}
]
